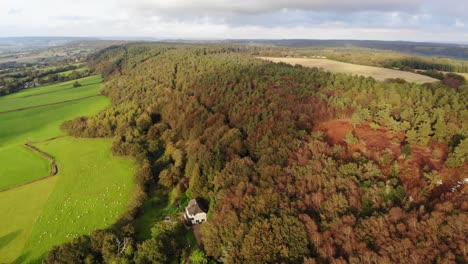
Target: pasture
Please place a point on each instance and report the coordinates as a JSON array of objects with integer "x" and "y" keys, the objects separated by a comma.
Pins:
[
  {"x": 20, "y": 209},
  {"x": 32, "y": 166},
  {"x": 95, "y": 79},
  {"x": 36, "y": 124},
  {"x": 90, "y": 189},
  {"x": 377, "y": 73},
  {"x": 66, "y": 73}
]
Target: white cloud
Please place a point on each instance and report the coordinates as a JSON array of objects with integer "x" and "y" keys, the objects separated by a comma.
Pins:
[{"x": 420, "y": 20}]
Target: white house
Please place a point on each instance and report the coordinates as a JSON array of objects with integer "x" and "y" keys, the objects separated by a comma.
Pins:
[{"x": 194, "y": 213}]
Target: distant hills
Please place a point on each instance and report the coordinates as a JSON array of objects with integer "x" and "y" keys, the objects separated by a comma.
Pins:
[
  {"x": 19, "y": 43},
  {"x": 459, "y": 51}
]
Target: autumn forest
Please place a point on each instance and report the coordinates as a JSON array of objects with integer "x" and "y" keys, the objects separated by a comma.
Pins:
[{"x": 296, "y": 164}]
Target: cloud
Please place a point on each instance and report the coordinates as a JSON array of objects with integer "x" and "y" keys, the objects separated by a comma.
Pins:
[
  {"x": 249, "y": 7},
  {"x": 14, "y": 11},
  {"x": 425, "y": 20},
  {"x": 73, "y": 18}
]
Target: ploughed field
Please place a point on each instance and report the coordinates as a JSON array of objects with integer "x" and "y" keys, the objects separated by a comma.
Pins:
[
  {"x": 377, "y": 73},
  {"x": 41, "y": 207}
]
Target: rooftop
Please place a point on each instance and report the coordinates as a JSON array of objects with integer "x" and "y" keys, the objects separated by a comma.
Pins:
[{"x": 194, "y": 207}]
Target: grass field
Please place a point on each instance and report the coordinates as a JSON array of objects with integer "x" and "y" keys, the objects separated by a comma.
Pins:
[
  {"x": 377, "y": 73},
  {"x": 95, "y": 79},
  {"x": 16, "y": 128},
  {"x": 66, "y": 73},
  {"x": 33, "y": 166},
  {"x": 20, "y": 209},
  {"x": 49, "y": 98},
  {"x": 90, "y": 190}
]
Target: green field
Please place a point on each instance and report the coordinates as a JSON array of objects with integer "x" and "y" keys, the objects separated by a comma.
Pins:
[
  {"x": 90, "y": 190},
  {"x": 96, "y": 79},
  {"x": 33, "y": 166},
  {"x": 20, "y": 209},
  {"x": 16, "y": 128},
  {"x": 49, "y": 98},
  {"x": 66, "y": 73}
]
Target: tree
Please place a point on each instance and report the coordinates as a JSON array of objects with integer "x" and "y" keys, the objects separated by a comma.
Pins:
[
  {"x": 454, "y": 80},
  {"x": 198, "y": 257},
  {"x": 76, "y": 84},
  {"x": 406, "y": 150},
  {"x": 459, "y": 154}
]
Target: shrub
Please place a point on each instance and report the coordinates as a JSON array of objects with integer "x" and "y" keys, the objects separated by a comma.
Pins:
[{"x": 76, "y": 84}]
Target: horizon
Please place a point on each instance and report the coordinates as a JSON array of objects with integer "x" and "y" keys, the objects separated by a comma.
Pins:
[
  {"x": 397, "y": 20},
  {"x": 156, "y": 39}
]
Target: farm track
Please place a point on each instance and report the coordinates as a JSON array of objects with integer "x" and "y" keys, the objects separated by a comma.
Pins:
[
  {"x": 53, "y": 164},
  {"x": 57, "y": 103}
]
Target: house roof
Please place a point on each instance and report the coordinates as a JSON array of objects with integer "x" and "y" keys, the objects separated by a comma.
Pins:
[{"x": 194, "y": 207}]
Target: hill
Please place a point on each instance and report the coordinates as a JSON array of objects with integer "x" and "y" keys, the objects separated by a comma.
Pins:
[{"x": 459, "y": 51}]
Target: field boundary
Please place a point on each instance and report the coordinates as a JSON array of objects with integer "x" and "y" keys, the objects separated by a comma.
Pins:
[
  {"x": 53, "y": 164},
  {"x": 57, "y": 103}
]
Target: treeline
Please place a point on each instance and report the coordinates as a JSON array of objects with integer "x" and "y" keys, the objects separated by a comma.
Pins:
[
  {"x": 449, "y": 79},
  {"x": 426, "y": 49},
  {"x": 239, "y": 132},
  {"x": 425, "y": 64},
  {"x": 373, "y": 57}
]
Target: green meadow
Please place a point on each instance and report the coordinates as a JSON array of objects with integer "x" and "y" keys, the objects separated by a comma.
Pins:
[
  {"x": 48, "y": 98},
  {"x": 36, "y": 124},
  {"x": 32, "y": 166},
  {"x": 20, "y": 209},
  {"x": 90, "y": 189},
  {"x": 66, "y": 73},
  {"x": 95, "y": 79}
]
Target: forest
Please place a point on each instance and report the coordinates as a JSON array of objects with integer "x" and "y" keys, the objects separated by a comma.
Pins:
[{"x": 297, "y": 165}]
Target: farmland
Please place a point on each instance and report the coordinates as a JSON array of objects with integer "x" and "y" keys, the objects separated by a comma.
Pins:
[
  {"x": 50, "y": 98},
  {"x": 90, "y": 189},
  {"x": 39, "y": 123},
  {"x": 377, "y": 73}
]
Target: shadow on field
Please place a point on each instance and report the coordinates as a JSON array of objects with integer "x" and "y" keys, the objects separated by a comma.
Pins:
[
  {"x": 23, "y": 259},
  {"x": 6, "y": 239}
]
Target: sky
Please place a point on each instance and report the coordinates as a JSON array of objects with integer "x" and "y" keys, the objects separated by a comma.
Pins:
[{"x": 411, "y": 20}]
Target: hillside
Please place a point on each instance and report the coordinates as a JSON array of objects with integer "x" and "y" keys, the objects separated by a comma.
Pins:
[
  {"x": 296, "y": 164},
  {"x": 458, "y": 51}
]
